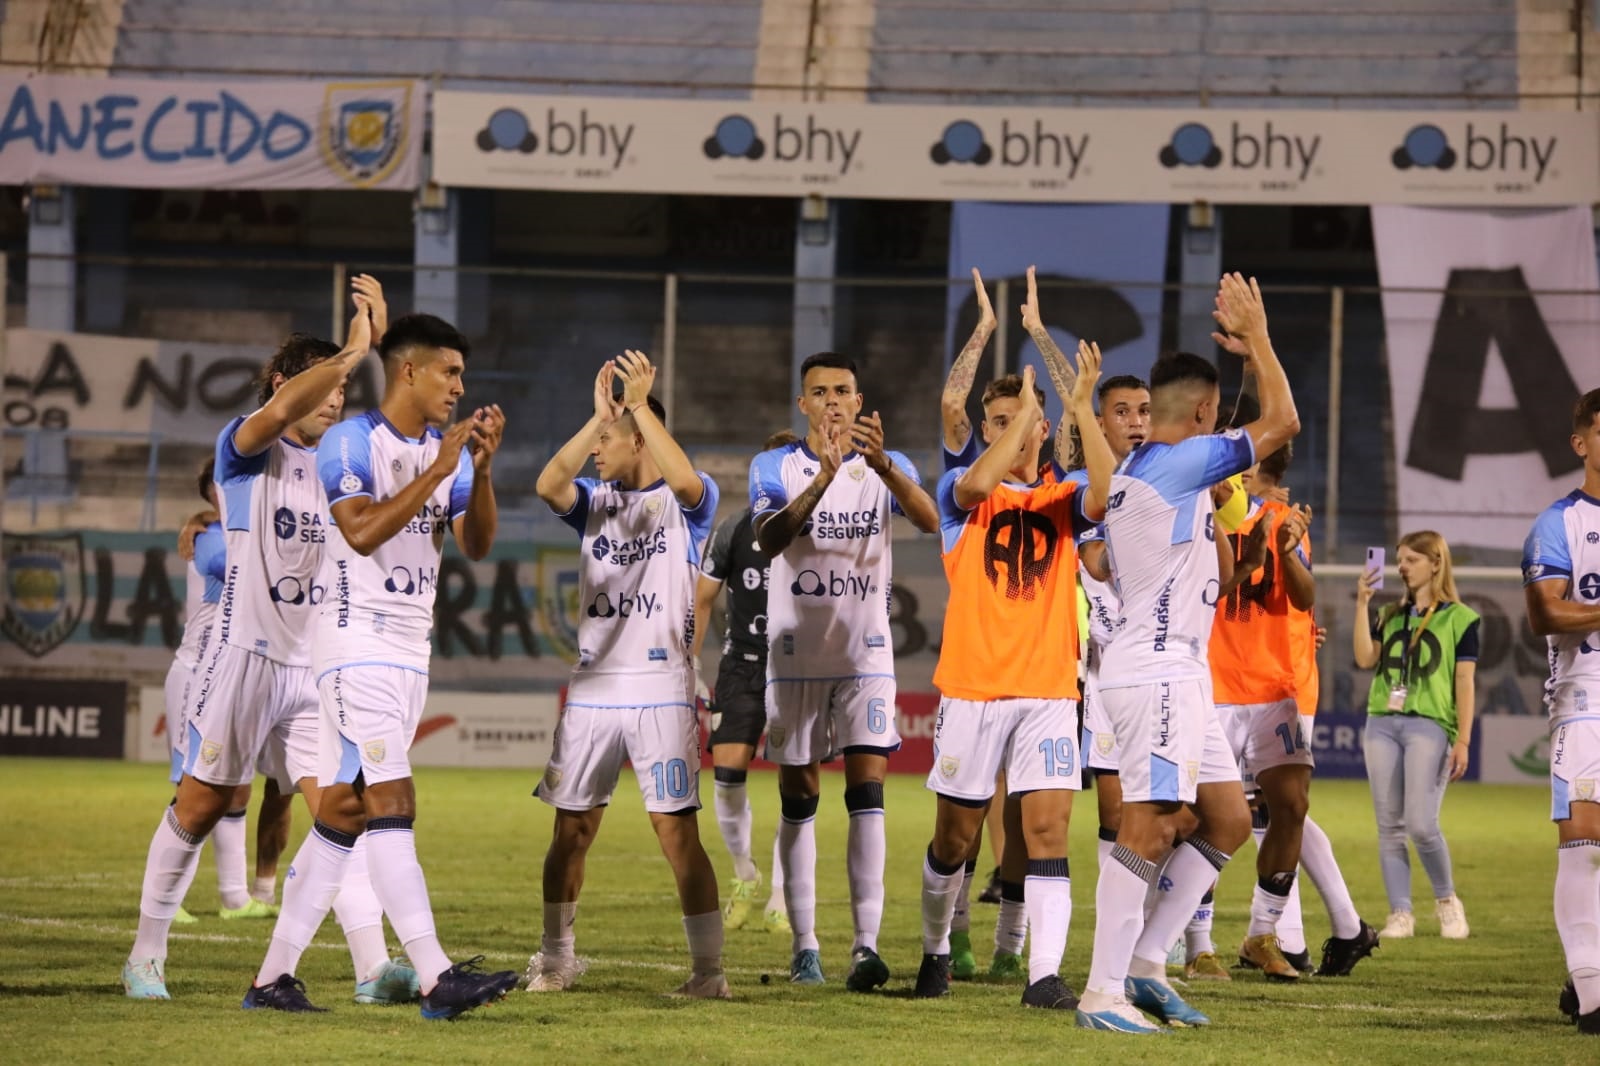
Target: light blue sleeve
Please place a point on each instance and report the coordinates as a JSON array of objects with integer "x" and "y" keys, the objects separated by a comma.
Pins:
[
  {"x": 1190, "y": 466},
  {"x": 1546, "y": 553},
  {"x": 231, "y": 465},
  {"x": 767, "y": 494},
  {"x": 461, "y": 487},
  {"x": 952, "y": 516},
  {"x": 909, "y": 469},
  {"x": 965, "y": 457},
  {"x": 578, "y": 517},
  {"x": 344, "y": 461},
  {"x": 211, "y": 552},
  {"x": 702, "y": 514}
]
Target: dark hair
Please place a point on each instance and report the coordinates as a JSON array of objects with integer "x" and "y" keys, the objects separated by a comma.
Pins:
[
  {"x": 299, "y": 352},
  {"x": 1181, "y": 368},
  {"x": 1277, "y": 464},
  {"x": 1587, "y": 409},
  {"x": 779, "y": 439},
  {"x": 655, "y": 408},
  {"x": 1121, "y": 381},
  {"x": 422, "y": 331},
  {"x": 208, "y": 473},
  {"x": 1010, "y": 385},
  {"x": 829, "y": 360},
  {"x": 1245, "y": 411}
]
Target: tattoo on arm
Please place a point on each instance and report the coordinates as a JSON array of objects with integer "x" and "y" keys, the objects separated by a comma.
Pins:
[{"x": 779, "y": 531}]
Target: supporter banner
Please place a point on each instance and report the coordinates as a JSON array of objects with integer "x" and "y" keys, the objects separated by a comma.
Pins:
[
  {"x": 148, "y": 133},
  {"x": 884, "y": 151},
  {"x": 1336, "y": 743},
  {"x": 1483, "y": 377},
  {"x": 179, "y": 391},
  {"x": 1067, "y": 242},
  {"x": 75, "y": 719}
]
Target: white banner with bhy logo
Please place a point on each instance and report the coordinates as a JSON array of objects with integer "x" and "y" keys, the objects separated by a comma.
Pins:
[
  {"x": 1486, "y": 362},
  {"x": 1057, "y": 155}
]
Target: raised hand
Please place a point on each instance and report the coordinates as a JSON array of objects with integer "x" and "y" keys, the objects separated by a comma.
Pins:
[
  {"x": 488, "y": 425},
  {"x": 1031, "y": 321},
  {"x": 986, "y": 319},
  {"x": 1029, "y": 397},
  {"x": 606, "y": 408},
  {"x": 1364, "y": 589},
  {"x": 1240, "y": 312},
  {"x": 637, "y": 376},
  {"x": 192, "y": 528},
  {"x": 1294, "y": 527},
  {"x": 455, "y": 438},
  {"x": 358, "y": 338},
  {"x": 866, "y": 437},
  {"x": 832, "y": 456},
  {"x": 1232, "y": 345},
  {"x": 367, "y": 286},
  {"x": 1276, "y": 494},
  {"x": 1253, "y": 553},
  {"x": 1089, "y": 363}
]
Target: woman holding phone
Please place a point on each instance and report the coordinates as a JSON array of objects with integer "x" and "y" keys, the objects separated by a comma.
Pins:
[{"x": 1419, "y": 719}]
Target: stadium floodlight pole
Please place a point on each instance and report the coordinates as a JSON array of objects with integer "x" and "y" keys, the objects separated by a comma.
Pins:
[
  {"x": 340, "y": 286},
  {"x": 1002, "y": 328},
  {"x": 668, "y": 361},
  {"x": 1330, "y": 488}
]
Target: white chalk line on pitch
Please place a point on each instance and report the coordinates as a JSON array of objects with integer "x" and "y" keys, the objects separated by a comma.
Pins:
[{"x": 224, "y": 938}]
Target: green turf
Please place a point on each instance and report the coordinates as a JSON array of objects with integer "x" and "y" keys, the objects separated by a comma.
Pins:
[{"x": 72, "y": 848}]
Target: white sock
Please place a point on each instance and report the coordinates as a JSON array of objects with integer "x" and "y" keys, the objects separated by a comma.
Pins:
[
  {"x": 797, "y": 848},
  {"x": 1158, "y": 885},
  {"x": 1197, "y": 934},
  {"x": 704, "y": 933},
  {"x": 360, "y": 915},
  {"x": 1578, "y": 917},
  {"x": 560, "y": 930},
  {"x": 264, "y": 888},
  {"x": 1048, "y": 888},
  {"x": 403, "y": 892},
  {"x": 1317, "y": 859},
  {"x": 1103, "y": 848},
  {"x": 940, "y": 895},
  {"x": 227, "y": 845},
  {"x": 961, "y": 917},
  {"x": 775, "y": 897},
  {"x": 1192, "y": 870},
  {"x": 866, "y": 854},
  {"x": 1292, "y": 924},
  {"x": 1118, "y": 918},
  {"x": 1267, "y": 905},
  {"x": 169, "y": 869},
  {"x": 315, "y": 873},
  {"x": 1011, "y": 927},
  {"x": 733, "y": 818}
]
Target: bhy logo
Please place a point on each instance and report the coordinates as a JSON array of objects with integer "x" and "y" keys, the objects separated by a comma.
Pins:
[
  {"x": 509, "y": 130},
  {"x": 1266, "y": 147},
  {"x": 1039, "y": 146},
  {"x": 1483, "y": 148},
  {"x": 738, "y": 137}
]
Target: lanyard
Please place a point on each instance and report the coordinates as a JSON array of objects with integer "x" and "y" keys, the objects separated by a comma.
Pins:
[{"x": 1413, "y": 640}]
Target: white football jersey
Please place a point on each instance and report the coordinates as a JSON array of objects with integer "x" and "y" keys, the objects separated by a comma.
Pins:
[
  {"x": 1564, "y": 544},
  {"x": 828, "y": 592},
  {"x": 274, "y": 521},
  {"x": 1163, "y": 551},
  {"x": 1105, "y": 606},
  {"x": 379, "y": 607},
  {"x": 202, "y": 589},
  {"x": 640, "y": 559}
]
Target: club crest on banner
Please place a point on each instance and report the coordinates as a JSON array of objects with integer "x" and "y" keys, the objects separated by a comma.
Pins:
[
  {"x": 364, "y": 129},
  {"x": 557, "y": 595},
  {"x": 45, "y": 587}
]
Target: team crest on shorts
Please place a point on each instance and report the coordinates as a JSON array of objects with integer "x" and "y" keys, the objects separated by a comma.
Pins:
[
  {"x": 1583, "y": 789},
  {"x": 1104, "y": 742},
  {"x": 44, "y": 590},
  {"x": 365, "y": 129},
  {"x": 210, "y": 751},
  {"x": 552, "y": 777},
  {"x": 776, "y": 736},
  {"x": 1191, "y": 770},
  {"x": 374, "y": 750},
  {"x": 948, "y": 765}
]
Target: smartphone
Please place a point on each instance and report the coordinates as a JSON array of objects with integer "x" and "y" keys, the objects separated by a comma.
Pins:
[{"x": 1375, "y": 566}]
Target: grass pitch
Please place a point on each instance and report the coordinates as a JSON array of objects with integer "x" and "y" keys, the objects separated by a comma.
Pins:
[{"x": 72, "y": 851}]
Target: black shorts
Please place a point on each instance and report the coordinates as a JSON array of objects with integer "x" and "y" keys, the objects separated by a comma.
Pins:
[{"x": 739, "y": 708}]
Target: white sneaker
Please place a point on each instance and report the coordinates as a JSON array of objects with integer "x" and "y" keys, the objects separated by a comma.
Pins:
[
  {"x": 704, "y": 986},
  {"x": 547, "y": 973},
  {"x": 1452, "y": 918},
  {"x": 1401, "y": 926}
]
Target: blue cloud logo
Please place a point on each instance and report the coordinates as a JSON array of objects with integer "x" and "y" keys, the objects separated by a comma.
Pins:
[
  {"x": 1192, "y": 145},
  {"x": 735, "y": 137},
  {"x": 1424, "y": 146},
  {"x": 507, "y": 131},
  {"x": 962, "y": 142}
]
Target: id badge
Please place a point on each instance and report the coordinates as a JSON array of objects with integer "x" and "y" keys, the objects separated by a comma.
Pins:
[{"x": 1397, "y": 698}]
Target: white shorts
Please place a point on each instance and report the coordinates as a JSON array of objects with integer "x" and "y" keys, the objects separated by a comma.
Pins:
[
  {"x": 1574, "y": 765},
  {"x": 1169, "y": 740},
  {"x": 180, "y": 676},
  {"x": 1264, "y": 735},
  {"x": 245, "y": 709},
  {"x": 808, "y": 719},
  {"x": 592, "y": 743},
  {"x": 369, "y": 717},
  {"x": 1099, "y": 738},
  {"x": 1033, "y": 740}
]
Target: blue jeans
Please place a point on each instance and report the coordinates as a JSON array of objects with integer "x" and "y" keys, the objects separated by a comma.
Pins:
[{"x": 1408, "y": 766}]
